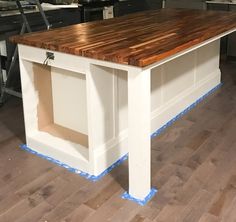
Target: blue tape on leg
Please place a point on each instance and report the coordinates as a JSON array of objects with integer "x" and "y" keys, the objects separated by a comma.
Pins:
[{"x": 141, "y": 202}]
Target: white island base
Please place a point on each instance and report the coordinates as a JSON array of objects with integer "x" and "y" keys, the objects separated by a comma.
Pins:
[{"x": 76, "y": 109}]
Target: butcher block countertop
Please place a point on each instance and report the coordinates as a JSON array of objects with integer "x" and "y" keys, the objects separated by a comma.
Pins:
[{"x": 139, "y": 39}]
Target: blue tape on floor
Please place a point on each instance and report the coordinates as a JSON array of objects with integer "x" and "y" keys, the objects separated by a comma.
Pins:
[
  {"x": 169, "y": 123},
  {"x": 122, "y": 159},
  {"x": 143, "y": 202},
  {"x": 76, "y": 171}
]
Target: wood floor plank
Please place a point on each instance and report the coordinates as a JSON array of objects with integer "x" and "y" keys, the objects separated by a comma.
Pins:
[
  {"x": 107, "y": 210},
  {"x": 10, "y": 198},
  {"x": 137, "y": 218},
  {"x": 36, "y": 213},
  {"x": 125, "y": 213},
  {"x": 169, "y": 213},
  {"x": 196, "y": 207},
  {"x": 225, "y": 198},
  {"x": 230, "y": 214},
  {"x": 199, "y": 139},
  {"x": 79, "y": 214},
  {"x": 38, "y": 183},
  {"x": 82, "y": 195},
  {"x": 103, "y": 196},
  {"x": 149, "y": 212},
  {"x": 23, "y": 206},
  {"x": 209, "y": 218}
]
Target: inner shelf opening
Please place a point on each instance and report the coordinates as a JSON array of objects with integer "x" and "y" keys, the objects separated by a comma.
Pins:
[{"x": 66, "y": 116}]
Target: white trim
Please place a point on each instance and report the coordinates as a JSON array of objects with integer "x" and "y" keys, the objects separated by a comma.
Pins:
[{"x": 73, "y": 62}]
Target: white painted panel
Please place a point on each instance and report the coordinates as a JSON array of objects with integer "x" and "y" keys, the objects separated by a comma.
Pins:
[
  {"x": 156, "y": 83},
  {"x": 170, "y": 110},
  {"x": 207, "y": 60},
  {"x": 100, "y": 86},
  {"x": 178, "y": 76},
  {"x": 3, "y": 50},
  {"x": 109, "y": 156},
  {"x": 69, "y": 99},
  {"x": 122, "y": 100},
  {"x": 122, "y": 94},
  {"x": 61, "y": 60},
  {"x": 156, "y": 87},
  {"x": 111, "y": 152},
  {"x": 30, "y": 97}
]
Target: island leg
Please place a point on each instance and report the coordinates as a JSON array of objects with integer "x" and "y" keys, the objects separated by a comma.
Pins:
[{"x": 139, "y": 141}]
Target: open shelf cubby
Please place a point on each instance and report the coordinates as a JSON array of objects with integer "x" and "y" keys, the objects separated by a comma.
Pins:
[{"x": 61, "y": 106}]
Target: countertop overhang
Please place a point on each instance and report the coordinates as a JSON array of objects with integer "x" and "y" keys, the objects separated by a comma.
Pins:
[{"x": 139, "y": 39}]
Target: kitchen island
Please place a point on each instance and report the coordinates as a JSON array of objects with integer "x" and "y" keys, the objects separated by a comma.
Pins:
[{"x": 96, "y": 91}]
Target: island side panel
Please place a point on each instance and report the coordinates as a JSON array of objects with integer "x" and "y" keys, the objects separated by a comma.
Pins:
[
  {"x": 175, "y": 85},
  {"x": 42, "y": 134}
]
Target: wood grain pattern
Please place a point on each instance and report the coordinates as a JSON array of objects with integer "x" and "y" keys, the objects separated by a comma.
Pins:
[{"x": 139, "y": 39}]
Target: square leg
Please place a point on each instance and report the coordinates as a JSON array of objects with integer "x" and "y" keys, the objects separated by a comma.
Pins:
[{"x": 139, "y": 142}]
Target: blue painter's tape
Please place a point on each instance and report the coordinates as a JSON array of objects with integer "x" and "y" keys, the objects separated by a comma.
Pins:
[
  {"x": 122, "y": 159},
  {"x": 169, "y": 123},
  {"x": 143, "y": 202},
  {"x": 74, "y": 170}
]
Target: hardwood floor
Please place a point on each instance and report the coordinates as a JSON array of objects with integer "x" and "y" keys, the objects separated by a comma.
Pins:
[{"x": 193, "y": 166}]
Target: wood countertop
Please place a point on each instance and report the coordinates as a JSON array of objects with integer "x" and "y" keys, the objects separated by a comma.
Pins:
[{"x": 139, "y": 39}]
